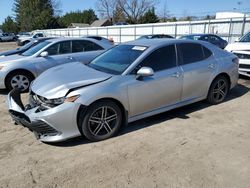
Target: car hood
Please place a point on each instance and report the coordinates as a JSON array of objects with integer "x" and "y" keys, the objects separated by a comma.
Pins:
[
  {"x": 238, "y": 46},
  {"x": 11, "y": 58},
  {"x": 10, "y": 52},
  {"x": 57, "y": 81}
]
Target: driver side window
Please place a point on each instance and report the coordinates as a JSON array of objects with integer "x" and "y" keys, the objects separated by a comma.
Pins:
[
  {"x": 161, "y": 59},
  {"x": 59, "y": 48},
  {"x": 53, "y": 50}
]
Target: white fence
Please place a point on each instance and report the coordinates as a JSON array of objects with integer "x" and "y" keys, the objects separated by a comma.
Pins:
[{"x": 229, "y": 29}]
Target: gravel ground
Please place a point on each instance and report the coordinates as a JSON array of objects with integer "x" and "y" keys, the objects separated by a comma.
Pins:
[
  {"x": 7, "y": 46},
  {"x": 195, "y": 146}
]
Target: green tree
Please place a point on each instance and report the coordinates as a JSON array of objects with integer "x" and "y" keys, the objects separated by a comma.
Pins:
[
  {"x": 35, "y": 14},
  {"x": 89, "y": 16},
  {"x": 149, "y": 17},
  {"x": 9, "y": 25},
  {"x": 86, "y": 16}
]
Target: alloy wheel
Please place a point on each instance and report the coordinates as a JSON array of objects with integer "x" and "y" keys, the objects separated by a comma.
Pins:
[
  {"x": 102, "y": 121},
  {"x": 220, "y": 90}
]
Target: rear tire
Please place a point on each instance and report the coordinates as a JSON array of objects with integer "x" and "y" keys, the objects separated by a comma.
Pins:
[
  {"x": 101, "y": 121},
  {"x": 19, "y": 79},
  {"x": 218, "y": 90}
]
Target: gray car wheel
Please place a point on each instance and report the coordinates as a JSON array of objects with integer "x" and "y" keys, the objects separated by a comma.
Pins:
[
  {"x": 218, "y": 90},
  {"x": 102, "y": 120}
]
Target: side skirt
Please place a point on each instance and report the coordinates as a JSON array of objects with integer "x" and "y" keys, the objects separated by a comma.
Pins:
[{"x": 164, "y": 109}]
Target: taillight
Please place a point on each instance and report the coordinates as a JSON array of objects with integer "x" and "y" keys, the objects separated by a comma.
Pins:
[{"x": 235, "y": 60}]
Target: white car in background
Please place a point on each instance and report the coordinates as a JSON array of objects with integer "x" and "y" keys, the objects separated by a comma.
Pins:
[
  {"x": 4, "y": 37},
  {"x": 24, "y": 39},
  {"x": 242, "y": 50}
]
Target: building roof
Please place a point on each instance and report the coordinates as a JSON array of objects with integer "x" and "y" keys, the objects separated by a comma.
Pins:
[
  {"x": 99, "y": 23},
  {"x": 78, "y": 25}
]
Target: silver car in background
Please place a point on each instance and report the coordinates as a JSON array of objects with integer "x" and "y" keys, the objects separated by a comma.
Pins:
[
  {"x": 131, "y": 81},
  {"x": 20, "y": 70}
]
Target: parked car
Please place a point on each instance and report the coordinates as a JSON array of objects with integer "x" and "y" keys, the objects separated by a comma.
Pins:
[
  {"x": 4, "y": 37},
  {"x": 20, "y": 70},
  {"x": 102, "y": 39},
  {"x": 24, "y": 48},
  {"x": 242, "y": 50},
  {"x": 21, "y": 34},
  {"x": 131, "y": 81},
  {"x": 24, "y": 39},
  {"x": 214, "y": 39},
  {"x": 158, "y": 36}
]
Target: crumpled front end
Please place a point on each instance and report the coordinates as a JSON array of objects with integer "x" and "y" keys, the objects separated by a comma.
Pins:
[{"x": 48, "y": 123}]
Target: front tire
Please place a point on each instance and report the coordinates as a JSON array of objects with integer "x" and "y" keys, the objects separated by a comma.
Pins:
[
  {"x": 218, "y": 90},
  {"x": 19, "y": 79},
  {"x": 102, "y": 120}
]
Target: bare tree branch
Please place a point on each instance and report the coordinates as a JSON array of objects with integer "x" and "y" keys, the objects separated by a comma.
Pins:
[
  {"x": 106, "y": 8},
  {"x": 134, "y": 9}
]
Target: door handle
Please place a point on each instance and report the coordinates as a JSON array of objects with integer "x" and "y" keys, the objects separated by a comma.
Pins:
[
  {"x": 70, "y": 58},
  {"x": 211, "y": 66},
  {"x": 176, "y": 75}
]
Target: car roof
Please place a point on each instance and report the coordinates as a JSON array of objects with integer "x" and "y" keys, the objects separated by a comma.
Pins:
[
  {"x": 202, "y": 34},
  {"x": 59, "y": 39},
  {"x": 159, "y": 42}
]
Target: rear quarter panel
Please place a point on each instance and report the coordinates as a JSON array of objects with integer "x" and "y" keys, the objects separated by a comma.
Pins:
[{"x": 226, "y": 65}]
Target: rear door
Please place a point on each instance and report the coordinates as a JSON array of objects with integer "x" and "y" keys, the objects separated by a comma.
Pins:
[
  {"x": 161, "y": 89},
  {"x": 198, "y": 66},
  {"x": 85, "y": 51}
]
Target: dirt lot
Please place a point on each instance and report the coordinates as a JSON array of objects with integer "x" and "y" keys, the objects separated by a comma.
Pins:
[{"x": 195, "y": 146}]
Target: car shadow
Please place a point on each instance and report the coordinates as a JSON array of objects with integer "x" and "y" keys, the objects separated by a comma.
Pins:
[
  {"x": 4, "y": 92},
  {"x": 182, "y": 112}
]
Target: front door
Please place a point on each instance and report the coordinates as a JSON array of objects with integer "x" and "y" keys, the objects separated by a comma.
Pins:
[
  {"x": 59, "y": 53},
  {"x": 161, "y": 89}
]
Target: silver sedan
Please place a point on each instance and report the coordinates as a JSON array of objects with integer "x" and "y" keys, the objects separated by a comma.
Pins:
[
  {"x": 20, "y": 70},
  {"x": 131, "y": 81}
]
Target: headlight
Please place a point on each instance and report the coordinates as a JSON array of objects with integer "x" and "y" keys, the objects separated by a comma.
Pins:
[{"x": 57, "y": 101}]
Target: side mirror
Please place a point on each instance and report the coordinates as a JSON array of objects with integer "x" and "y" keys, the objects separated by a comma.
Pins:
[
  {"x": 144, "y": 72},
  {"x": 44, "y": 54}
]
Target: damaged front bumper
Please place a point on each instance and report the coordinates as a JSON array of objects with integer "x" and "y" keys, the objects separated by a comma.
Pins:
[{"x": 49, "y": 125}]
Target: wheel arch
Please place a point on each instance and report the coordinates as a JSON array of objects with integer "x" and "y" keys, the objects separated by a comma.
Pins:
[
  {"x": 226, "y": 75},
  {"x": 25, "y": 42},
  {"x": 83, "y": 109},
  {"x": 18, "y": 70}
]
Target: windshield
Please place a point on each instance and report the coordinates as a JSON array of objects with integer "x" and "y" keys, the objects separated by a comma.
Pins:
[
  {"x": 245, "y": 38},
  {"x": 117, "y": 59},
  {"x": 35, "y": 49}
]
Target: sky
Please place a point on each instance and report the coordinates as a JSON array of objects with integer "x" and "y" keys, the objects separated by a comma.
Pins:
[{"x": 176, "y": 8}]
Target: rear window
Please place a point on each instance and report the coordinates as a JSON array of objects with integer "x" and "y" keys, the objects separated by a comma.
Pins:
[
  {"x": 84, "y": 46},
  {"x": 190, "y": 52},
  {"x": 207, "y": 52}
]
